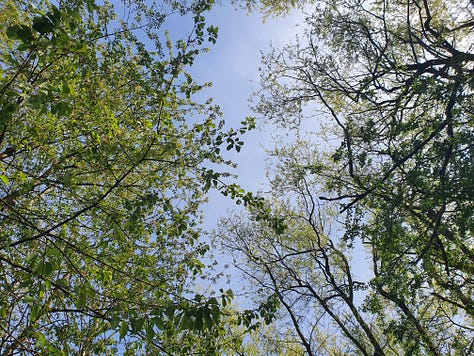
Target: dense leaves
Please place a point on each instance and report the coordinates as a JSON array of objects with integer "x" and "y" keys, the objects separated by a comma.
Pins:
[
  {"x": 103, "y": 157},
  {"x": 272, "y": 7}
]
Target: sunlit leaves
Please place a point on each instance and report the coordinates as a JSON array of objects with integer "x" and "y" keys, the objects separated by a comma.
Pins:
[{"x": 102, "y": 150}]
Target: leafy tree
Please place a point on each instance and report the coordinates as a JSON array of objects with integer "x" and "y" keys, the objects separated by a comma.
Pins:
[
  {"x": 103, "y": 156},
  {"x": 389, "y": 88},
  {"x": 272, "y": 7}
]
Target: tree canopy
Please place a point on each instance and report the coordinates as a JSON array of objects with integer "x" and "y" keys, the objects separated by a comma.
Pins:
[
  {"x": 362, "y": 246},
  {"x": 272, "y": 7},
  {"x": 377, "y": 191},
  {"x": 104, "y": 162}
]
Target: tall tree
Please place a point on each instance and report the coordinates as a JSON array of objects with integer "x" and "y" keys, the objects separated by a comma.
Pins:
[
  {"x": 391, "y": 170},
  {"x": 272, "y": 7},
  {"x": 103, "y": 155}
]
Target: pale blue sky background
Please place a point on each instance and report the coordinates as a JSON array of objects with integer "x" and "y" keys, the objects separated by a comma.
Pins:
[{"x": 232, "y": 66}]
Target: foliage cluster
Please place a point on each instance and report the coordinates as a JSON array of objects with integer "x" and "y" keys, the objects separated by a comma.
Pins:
[
  {"x": 103, "y": 167},
  {"x": 363, "y": 246},
  {"x": 377, "y": 255}
]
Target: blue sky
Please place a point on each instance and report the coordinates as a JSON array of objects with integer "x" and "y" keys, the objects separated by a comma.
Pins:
[{"x": 232, "y": 66}]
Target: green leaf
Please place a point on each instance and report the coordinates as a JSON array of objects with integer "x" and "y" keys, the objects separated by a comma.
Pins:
[
  {"x": 47, "y": 268},
  {"x": 158, "y": 322},
  {"x": 137, "y": 324},
  {"x": 215, "y": 314},
  {"x": 42, "y": 24},
  {"x": 123, "y": 330},
  {"x": 20, "y": 32},
  {"x": 170, "y": 310},
  {"x": 81, "y": 299},
  {"x": 150, "y": 332},
  {"x": 65, "y": 89},
  {"x": 75, "y": 14},
  {"x": 6, "y": 113},
  {"x": 40, "y": 340},
  {"x": 114, "y": 322},
  {"x": 4, "y": 179},
  {"x": 199, "y": 316},
  {"x": 185, "y": 321},
  {"x": 61, "y": 109},
  {"x": 35, "y": 313},
  {"x": 12, "y": 32}
]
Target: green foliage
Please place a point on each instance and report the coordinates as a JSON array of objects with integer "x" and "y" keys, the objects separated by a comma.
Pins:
[
  {"x": 103, "y": 156},
  {"x": 388, "y": 180},
  {"x": 272, "y": 7}
]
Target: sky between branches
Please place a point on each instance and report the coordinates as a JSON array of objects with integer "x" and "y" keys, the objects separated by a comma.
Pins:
[{"x": 232, "y": 66}]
